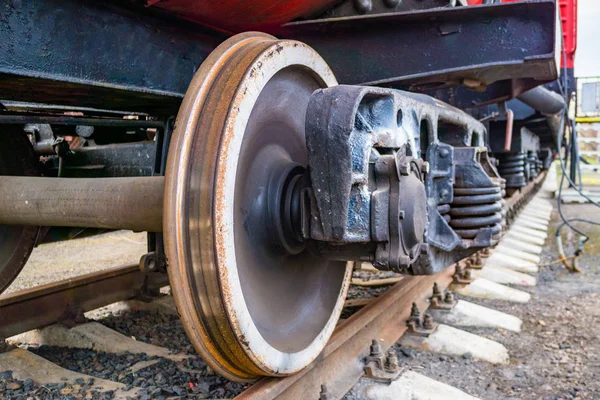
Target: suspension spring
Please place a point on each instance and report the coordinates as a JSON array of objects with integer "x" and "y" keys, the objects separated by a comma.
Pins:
[
  {"x": 532, "y": 164},
  {"x": 476, "y": 208},
  {"x": 540, "y": 165},
  {"x": 512, "y": 168}
]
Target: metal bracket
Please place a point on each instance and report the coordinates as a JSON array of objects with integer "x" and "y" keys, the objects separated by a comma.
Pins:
[
  {"x": 153, "y": 266},
  {"x": 420, "y": 326},
  {"x": 474, "y": 55},
  {"x": 441, "y": 300},
  {"x": 475, "y": 261},
  {"x": 153, "y": 262},
  {"x": 358, "y": 205},
  {"x": 382, "y": 367},
  {"x": 462, "y": 275}
]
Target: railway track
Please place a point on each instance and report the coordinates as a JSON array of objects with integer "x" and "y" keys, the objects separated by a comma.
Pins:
[{"x": 138, "y": 349}]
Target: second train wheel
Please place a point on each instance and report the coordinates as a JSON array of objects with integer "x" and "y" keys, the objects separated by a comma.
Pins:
[
  {"x": 16, "y": 242},
  {"x": 250, "y": 307}
]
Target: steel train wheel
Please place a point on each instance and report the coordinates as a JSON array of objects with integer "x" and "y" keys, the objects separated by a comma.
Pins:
[
  {"x": 249, "y": 307},
  {"x": 16, "y": 242}
]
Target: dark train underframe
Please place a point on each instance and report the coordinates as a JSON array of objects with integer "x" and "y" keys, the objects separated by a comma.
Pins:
[{"x": 407, "y": 162}]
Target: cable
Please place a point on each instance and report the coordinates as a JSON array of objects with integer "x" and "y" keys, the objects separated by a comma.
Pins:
[
  {"x": 574, "y": 128},
  {"x": 560, "y": 136},
  {"x": 573, "y": 267},
  {"x": 563, "y": 167},
  {"x": 564, "y": 175}
]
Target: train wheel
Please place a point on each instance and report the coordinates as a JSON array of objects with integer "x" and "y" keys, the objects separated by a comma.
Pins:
[
  {"x": 16, "y": 242},
  {"x": 250, "y": 306}
]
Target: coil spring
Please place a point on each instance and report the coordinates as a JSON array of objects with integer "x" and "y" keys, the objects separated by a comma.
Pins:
[
  {"x": 532, "y": 164},
  {"x": 540, "y": 165},
  {"x": 512, "y": 168},
  {"x": 476, "y": 208}
]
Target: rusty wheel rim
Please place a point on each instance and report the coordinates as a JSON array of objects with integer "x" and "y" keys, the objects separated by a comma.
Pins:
[{"x": 243, "y": 327}]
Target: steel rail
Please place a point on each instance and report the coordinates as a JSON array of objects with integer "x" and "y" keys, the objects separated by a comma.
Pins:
[{"x": 47, "y": 304}]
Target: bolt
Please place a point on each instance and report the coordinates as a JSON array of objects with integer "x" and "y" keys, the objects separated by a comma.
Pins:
[
  {"x": 427, "y": 322},
  {"x": 375, "y": 349},
  {"x": 414, "y": 311},
  {"x": 152, "y": 264},
  {"x": 413, "y": 253},
  {"x": 148, "y": 262},
  {"x": 403, "y": 260},
  {"x": 392, "y": 361},
  {"x": 438, "y": 294},
  {"x": 61, "y": 147},
  {"x": 444, "y": 153},
  {"x": 404, "y": 168},
  {"x": 449, "y": 298},
  {"x": 459, "y": 270},
  {"x": 444, "y": 193},
  {"x": 425, "y": 167},
  {"x": 467, "y": 274},
  {"x": 414, "y": 321},
  {"x": 363, "y": 6}
]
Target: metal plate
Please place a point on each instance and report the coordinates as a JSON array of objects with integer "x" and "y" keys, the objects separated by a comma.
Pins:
[
  {"x": 92, "y": 54},
  {"x": 499, "y": 50}
]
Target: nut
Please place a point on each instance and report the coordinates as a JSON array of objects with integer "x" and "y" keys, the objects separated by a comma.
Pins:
[
  {"x": 392, "y": 361},
  {"x": 375, "y": 349},
  {"x": 363, "y": 6},
  {"x": 404, "y": 168},
  {"x": 449, "y": 298},
  {"x": 427, "y": 322}
]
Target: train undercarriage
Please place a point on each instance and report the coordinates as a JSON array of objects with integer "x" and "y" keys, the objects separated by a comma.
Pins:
[{"x": 263, "y": 165}]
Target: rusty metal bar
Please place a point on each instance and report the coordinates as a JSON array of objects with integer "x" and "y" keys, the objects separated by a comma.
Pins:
[
  {"x": 47, "y": 304},
  {"x": 134, "y": 203},
  {"x": 340, "y": 365}
]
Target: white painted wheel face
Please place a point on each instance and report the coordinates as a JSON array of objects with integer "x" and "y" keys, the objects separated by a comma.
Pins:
[{"x": 282, "y": 308}]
